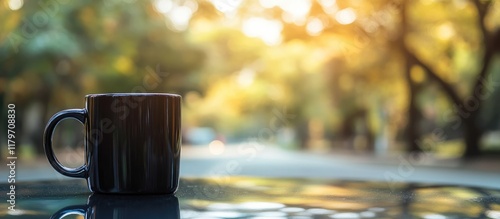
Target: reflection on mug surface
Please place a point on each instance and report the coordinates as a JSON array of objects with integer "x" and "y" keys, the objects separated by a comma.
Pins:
[{"x": 101, "y": 206}]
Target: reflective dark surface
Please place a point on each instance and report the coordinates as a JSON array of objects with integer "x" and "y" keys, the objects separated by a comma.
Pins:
[
  {"x": 245, "y": 197},
  {"x": 132, "y": 143},
  {"x": 124, "y": 207}
]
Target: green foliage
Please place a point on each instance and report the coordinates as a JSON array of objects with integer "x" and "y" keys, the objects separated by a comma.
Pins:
[{"x": 232, "y": 81}]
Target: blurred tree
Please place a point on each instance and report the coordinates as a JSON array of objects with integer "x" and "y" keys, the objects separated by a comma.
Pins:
[
  {"x": 365, "y": 70},
  {"x": 469, "y": 108},
  {"x": 401, "y": 32},
  {"x": 54, "y": 52}
]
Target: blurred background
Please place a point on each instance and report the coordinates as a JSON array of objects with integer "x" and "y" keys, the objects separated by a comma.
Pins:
[{"x": 331, "y": 88}]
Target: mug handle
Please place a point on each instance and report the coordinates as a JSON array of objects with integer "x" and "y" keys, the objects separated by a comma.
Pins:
[
  {"x": 70, "y": 210},
  {"x": 78, "y": 114}
]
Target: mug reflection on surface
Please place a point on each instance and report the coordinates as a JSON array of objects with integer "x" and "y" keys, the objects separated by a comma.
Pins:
[{"x": 101, "y": 206}]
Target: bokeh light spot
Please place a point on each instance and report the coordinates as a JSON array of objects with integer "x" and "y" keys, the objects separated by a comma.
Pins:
[
  {"x": 327, "y": 3},
  {"x": 268, "y": 31},
  {"x": 180, "y": 17},
  {"x": 297, "y": 10},
  {"x": 163, "y": 6},
  {"x": 445, "y": 31},
  {"x": 346, "y": 16},
  {"x": 434, "y": 216},
  {"x": 314, "y": 27},
  {"x": 15, "y": 4},
  {"x": 246, "y": 77},
  {"x": 493, "y": 214},
  {"x": 226, "y": 6},
  {"x": 123, "y": 65},
  {"x": 216, "y": 147}
]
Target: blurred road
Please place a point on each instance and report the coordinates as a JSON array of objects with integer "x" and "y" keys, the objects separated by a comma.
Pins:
[
  {"x": 274, "y": 162},
  {"x": 266, "y": 161}
]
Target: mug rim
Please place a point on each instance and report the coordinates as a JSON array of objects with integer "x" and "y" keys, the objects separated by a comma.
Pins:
[{"x": 131, "y": 95}]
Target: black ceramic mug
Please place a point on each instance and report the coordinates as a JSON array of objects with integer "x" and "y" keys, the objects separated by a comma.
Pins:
[
  {"x": 124, "y": 207},
  {"x": 132, "y": 142}
]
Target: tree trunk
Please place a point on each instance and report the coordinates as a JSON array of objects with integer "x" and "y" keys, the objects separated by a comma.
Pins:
[
  {"x": 472, "y": 130},
  {"x": 412, "y": 132},
  {"x": 472, "y": 136}
]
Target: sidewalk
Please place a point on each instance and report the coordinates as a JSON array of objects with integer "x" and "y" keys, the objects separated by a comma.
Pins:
[
  {"x": 486, "y": 164},
  {"x": 274, "y": 162},
  {"x": 269, "y": 161}
]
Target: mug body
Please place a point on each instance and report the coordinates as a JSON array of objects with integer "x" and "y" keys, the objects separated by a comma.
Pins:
[{"x": 133, "y": 143}]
